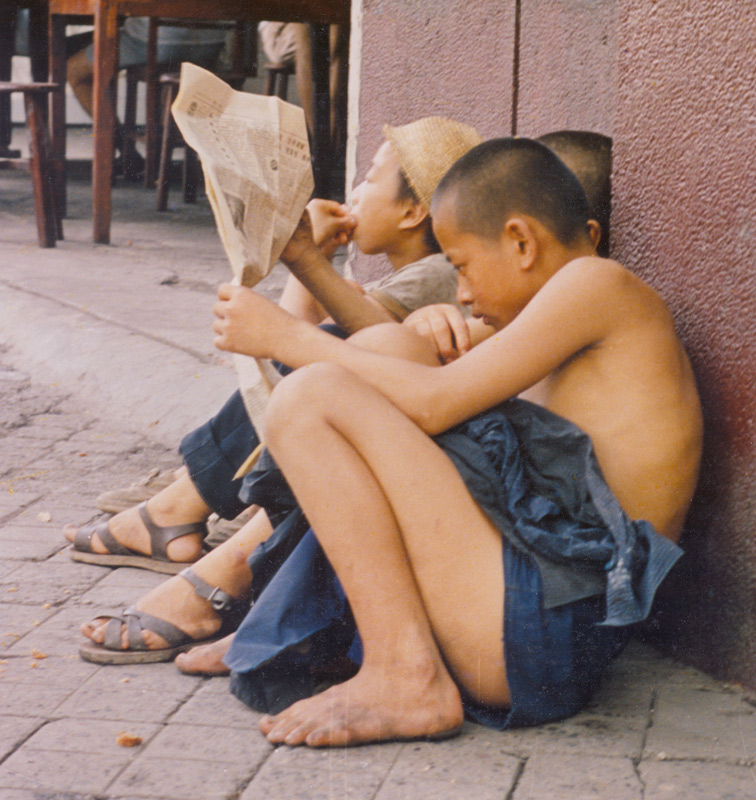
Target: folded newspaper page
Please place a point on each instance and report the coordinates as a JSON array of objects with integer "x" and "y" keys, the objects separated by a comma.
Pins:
[{"x": 258, "y": 177}]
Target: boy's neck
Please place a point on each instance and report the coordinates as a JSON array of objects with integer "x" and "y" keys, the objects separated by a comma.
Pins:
[
  {"x": 408, "y": 251},
  {"x": 559, "y": 255}
]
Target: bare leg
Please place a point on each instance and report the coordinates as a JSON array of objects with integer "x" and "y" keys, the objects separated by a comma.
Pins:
[
  {"x": 175, "y": 599},
  {"x": 303, "y": 70},
  {"x": 419, "y": 561},
  {"x": 80, "y": 75},
  {"x": 177, "y": 504}
]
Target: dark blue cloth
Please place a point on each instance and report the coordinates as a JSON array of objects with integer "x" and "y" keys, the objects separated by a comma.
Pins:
[
  {"x": 535, "y": 474},
  {"x": 214, "y": 452},
  {"x": 537, "y": 477}
]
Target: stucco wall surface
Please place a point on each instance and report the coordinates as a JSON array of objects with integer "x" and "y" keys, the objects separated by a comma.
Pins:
[
  {"x": 567, "y": 66},
  {"x": 432, "y": 58},
  {"x": 684, "y": 218}
]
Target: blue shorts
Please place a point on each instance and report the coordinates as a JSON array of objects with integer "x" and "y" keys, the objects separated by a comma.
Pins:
[
  {"x": 577, "y": 572},
  {"x": 555, "y": 658}
]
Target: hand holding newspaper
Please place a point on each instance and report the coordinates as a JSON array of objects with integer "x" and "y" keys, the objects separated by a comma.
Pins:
[{"x": 258, "y": 177}]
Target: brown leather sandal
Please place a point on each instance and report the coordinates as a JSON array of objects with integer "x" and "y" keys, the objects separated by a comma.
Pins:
[
  {"x": 230, "y": 609},
  {"x": 119, "y": 555}
]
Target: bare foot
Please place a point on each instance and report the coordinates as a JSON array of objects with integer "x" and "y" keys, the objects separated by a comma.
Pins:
[
  {"x": 206, "y": 659},
  {"x": 173, "y": 506},
  {"x": 174, "y": 601},
  {"x": 371, "y": 707}
]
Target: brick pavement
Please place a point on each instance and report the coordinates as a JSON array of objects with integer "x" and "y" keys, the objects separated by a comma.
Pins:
[{"x": 656, "y": 730}]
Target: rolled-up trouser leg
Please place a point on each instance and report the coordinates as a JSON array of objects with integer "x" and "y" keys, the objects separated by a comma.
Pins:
[{"x": 215, "y": 451}]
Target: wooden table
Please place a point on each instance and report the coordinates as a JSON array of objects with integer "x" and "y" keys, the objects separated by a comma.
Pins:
[{"x": 106, "y": 15}]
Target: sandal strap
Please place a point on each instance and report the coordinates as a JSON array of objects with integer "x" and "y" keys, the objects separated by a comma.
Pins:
[
  {"x": 161, "y": 536},
  {"x": 83, "y": 539},
  {"x": 136, "y": 622},
  {"x": 221, "y": 601}
]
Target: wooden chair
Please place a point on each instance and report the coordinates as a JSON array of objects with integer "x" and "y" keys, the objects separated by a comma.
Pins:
[
  {"x": 277, "y": 80},
  {"x": 276, "y": 84},
  {"x": 172, "y": 139},
  {"x": 46, "y": 205},
  {"x": 243, "y": 61}
]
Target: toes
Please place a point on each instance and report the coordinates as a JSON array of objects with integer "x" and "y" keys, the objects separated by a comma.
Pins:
[
  {"x": 95, "y": 629},
  {"x": 69, "y": 532},
  {"x": 266, "y": 723},
  {"x": 151, "y": 640},
  {"x": 287, "y": 731}
]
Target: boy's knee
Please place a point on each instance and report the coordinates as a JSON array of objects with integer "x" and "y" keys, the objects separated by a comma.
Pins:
[
  {"x": 298, "y": 397},
  {"x": 396, "y": 340}
]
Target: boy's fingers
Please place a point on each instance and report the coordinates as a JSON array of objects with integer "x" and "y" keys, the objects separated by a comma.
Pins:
[
  {"x": 442, "y": 336},
  {"x": 225, "y": 291},
  {"x": 461, "y": 333}
]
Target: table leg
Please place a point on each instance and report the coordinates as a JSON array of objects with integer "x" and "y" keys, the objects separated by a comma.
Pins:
[
  {"x": 57, "y": 54},
  {"x": 105, "y": 61},
  {"x": 151, "y": 131},
  {"x": 7, "y": 45},
  {"x": 321, "y": 138},
  {"x": 44, "y": 197}
]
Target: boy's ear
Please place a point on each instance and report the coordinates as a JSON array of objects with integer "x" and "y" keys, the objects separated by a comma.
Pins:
[
  {"x": 414, "y": 215},
  {"x": 594, "y": 232},
  {"x": 518, "y": 235}
]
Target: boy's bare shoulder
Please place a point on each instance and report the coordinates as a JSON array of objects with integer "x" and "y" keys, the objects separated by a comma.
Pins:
[
  {"x": 608, "y": 290},
  {"x": 598, "y": 275}
]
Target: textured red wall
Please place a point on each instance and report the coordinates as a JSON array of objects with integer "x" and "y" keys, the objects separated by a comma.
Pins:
[
  {"x": 567, "y": 66},
  {"x": 674, "y": 84},
  {"x": 433, "y": 58},
  {"x": 685, "y": 219}
]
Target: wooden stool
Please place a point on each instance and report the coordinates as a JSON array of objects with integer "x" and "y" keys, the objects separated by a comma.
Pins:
[
  {"x": 277, "y": 82},
  {"x": 46, "y": 205},
  {"x": 134, "y": 75}
]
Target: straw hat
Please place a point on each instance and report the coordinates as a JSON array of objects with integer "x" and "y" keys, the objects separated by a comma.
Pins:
[{"x": 427, "y": 148}]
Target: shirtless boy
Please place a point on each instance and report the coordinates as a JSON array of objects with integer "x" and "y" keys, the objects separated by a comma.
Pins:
[{"x": 419, "y": 557}]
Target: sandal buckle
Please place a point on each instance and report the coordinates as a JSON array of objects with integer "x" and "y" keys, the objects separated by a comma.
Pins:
[{"x": 220, "y": 600}]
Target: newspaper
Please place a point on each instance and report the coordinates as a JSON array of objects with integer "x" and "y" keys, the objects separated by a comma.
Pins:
[{"x": 258, "y": 178}]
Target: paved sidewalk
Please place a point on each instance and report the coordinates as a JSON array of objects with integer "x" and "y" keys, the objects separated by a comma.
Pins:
[{"x": 107, "y": 359}]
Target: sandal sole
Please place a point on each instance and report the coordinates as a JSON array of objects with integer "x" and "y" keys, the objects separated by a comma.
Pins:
[
  {"x": 97, "y": 654},
  {"x": 139, "y": 562}
]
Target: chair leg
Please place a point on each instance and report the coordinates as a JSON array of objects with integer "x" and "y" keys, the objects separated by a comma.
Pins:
[
  {"x": 7, "y": 36},
  {"x": 270, "y": 83},
  {"x": 128, "y": 145},
  {"x": 192, "y": 174},
  {"x": 45, "y": 207},
  {"x": 282, "y": 89},
  {"x": 152, "y": 133},
  {"x": 166, "y": 151}
]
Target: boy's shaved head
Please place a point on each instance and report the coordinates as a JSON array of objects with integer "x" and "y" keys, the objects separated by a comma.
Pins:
[
  {"x": 589, "y": 156},
  {"x": 503, "y": 177}
]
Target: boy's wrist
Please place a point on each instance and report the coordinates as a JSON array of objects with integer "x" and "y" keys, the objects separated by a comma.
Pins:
[{"x": 307, "y": 262}]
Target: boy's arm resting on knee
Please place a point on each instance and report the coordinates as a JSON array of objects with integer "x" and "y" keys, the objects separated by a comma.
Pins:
[
  {"x": 446, "y": 328},
  {"x": 349, "y": 307},
  {"x": 575, "y": 310}
]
